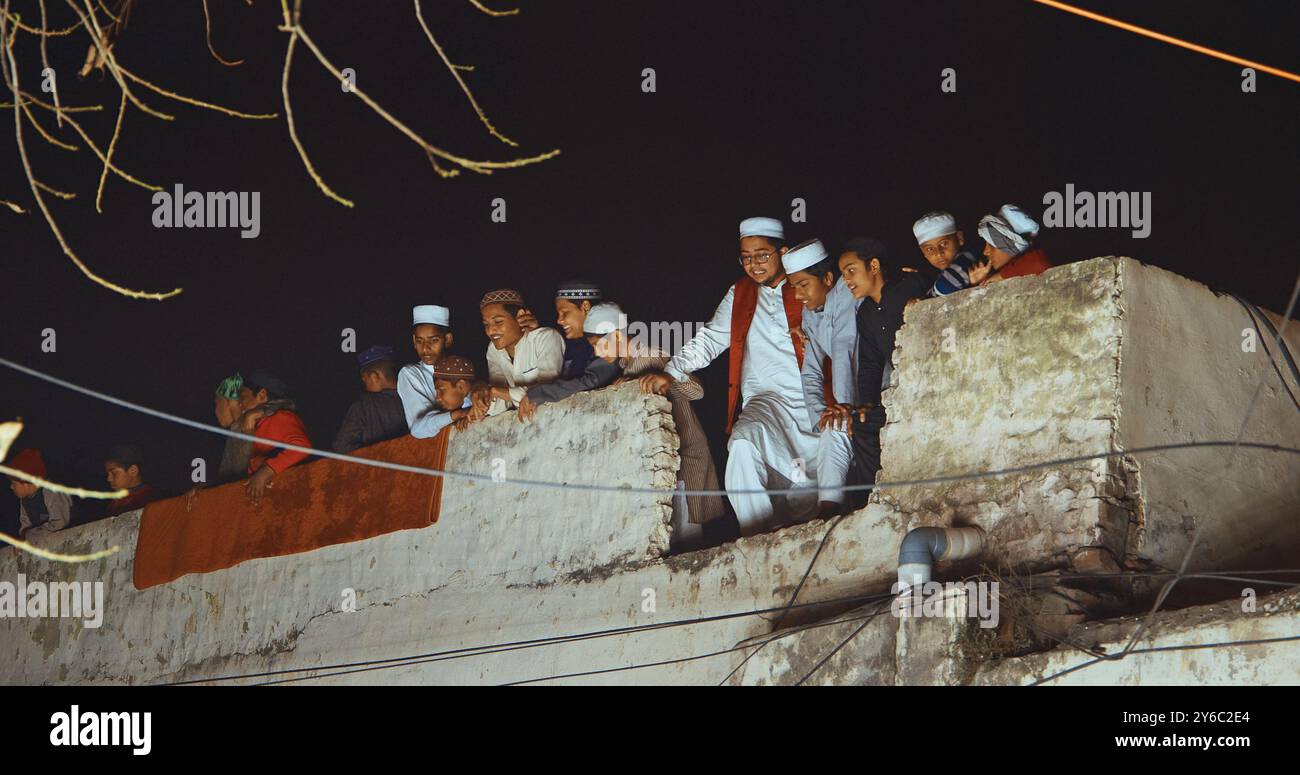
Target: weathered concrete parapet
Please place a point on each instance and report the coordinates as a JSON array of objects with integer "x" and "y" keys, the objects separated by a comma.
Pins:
[
  {"x": 1018, "y": 372},
  {"x": 489, "y": 536},
  {"x": 617, "y": 437},
  {"x": 1094, "y": 357}
]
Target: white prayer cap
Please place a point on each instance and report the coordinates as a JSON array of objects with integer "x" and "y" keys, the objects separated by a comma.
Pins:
[
  {"x": 803, "y": 255},
  {"x": 762, "y": 227},
  {"x": 603, "y": 318},
  {"x": 1020, "y": 221},
  {"x": 431, "y": 313},
  {"x": 932, "y": 225}
]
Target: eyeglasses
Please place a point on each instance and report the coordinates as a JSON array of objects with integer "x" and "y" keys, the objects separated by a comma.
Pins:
[{"x": 758, "y": 258}]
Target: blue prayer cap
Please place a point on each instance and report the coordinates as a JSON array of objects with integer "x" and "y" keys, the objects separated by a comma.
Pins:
[{"x": 380, "y": 352}]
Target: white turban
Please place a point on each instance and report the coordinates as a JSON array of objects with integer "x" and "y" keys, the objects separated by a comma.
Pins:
[
  {"x": 431, "y": 313},
  {"x": 762, "y": 227},
  {"x": 932, "y": 225},
  {"x": 803, "y": 255},
  {"x": 604, "y": 318},
  {"x": 1009, "y": 230},
  {"x": 1024, "y": 225}
]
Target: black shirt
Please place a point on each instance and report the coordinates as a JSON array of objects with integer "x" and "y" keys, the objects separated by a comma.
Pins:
[
  {"x": 373, "y": 417},
  {"x": 577, "y": 354},
  {"x": 878, "y": 323}
]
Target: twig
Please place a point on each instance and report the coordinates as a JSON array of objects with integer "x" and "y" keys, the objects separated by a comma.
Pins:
[
  {"x": 49, "y": 138},
  {"x": 108, "y": 157},
  {"x": 190, "y": 100},
  {"x": 288, "y": 114},
  {"x": 66, "y": 108},
  {"x": 481, "y": 167},
  {"x": 11, "y": 75},
  {"x": 419, "y": 15},
  {"x": 207, "y": 32},
  {"x": 97, "y": 37},
  {"x": 57, "y": 557},
  {"x": 45, "y": 63},
  {"x": 42, "y": 32},
  {"x": 90, "y": 142},
  {"x": 56, "y": 192},
  {"x": 491, "y": 12}
]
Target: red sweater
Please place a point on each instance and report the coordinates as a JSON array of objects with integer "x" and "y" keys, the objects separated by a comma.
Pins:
[
  {"x": 137, "y": 498},
  {"x": 1032, "y": 262},
  {"x": 286, "y": 427}
]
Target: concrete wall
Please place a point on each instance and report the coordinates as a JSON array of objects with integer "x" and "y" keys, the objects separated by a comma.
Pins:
[
  {"x": 494, "y": 535},
  {"x": 1186, "y": 378},
  {"x": 1272, "y": 664},
  {"x": 1042, "y": 368},
  {"x": 1098, "y": 356},
  {"x": 1019, "y": 372}
]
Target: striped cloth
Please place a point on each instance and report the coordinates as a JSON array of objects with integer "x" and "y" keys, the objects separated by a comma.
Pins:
[{"x": 956, "y": 277}]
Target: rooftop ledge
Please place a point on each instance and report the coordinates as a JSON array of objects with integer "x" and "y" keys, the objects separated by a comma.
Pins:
[{"x": 1099, "y": 356}]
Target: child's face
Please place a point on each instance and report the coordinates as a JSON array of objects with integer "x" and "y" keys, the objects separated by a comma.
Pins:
[
  {"x": 450, "y": 394},
  {"x": 501, "y": 327},
  {"x": 811, "y": 289},
  {"x": 997, "y": 258},
  {"x": 430, "y": 341},
  {"x": 940, "y": 251},
  {"x": 22, "y": 489},
  {"x": 570, "y": 316},
  {"x": 120, "y": 477}
]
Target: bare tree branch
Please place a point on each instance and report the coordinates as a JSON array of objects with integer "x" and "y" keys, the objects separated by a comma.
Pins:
[
  {"x": 491, "y": 12},
  {"x": 419, "y": 15},
  {"x": 207, "y": 32},
  {"x": 10, "y": 72}
]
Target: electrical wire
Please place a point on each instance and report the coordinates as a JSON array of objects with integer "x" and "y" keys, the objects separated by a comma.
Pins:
[
  {"x": 662, "y": 493},
  {"x": 474, "y": 651}
]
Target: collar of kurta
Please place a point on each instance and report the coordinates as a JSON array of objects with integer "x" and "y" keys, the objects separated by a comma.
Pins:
[{"x": 744, "y": 304}]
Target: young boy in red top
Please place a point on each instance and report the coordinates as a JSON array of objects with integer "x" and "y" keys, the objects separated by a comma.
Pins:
[
  {"x": 1008, "y": 247},
  {"x": 275, "y": 422},
  {"x": 122, "y": 470}
]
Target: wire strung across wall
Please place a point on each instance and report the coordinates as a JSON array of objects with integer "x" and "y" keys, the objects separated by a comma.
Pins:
[
  {"x": 578, "y": 486},
  {"x": 368, "y": 665}
]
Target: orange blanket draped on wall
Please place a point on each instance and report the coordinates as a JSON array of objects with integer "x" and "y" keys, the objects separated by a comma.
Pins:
[{"x": 320, "y": 504}]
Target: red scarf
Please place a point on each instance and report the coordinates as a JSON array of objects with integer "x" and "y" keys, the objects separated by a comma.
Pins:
[{"x": 743, "y": 305}]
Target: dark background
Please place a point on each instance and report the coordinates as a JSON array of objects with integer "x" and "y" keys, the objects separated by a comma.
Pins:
[{"x": 757, "y": 103}]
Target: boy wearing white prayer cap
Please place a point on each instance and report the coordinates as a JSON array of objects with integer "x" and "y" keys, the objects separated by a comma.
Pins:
[
  {"x": 944, "y": 246},
  {"x": 829, "y": 387},
  {"x": 772, "y": 443},
  {"x": 431, "y": 336}
]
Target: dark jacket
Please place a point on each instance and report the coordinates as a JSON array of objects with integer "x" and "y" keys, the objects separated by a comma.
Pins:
[{"x": 372, "y": 418}]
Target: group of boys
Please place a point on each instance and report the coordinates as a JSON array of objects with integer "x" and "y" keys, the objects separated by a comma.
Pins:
[{"x": 810, "y": 340}]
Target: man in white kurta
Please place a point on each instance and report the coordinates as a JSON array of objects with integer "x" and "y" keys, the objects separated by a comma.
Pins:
[{"x": 772, "y": 444}]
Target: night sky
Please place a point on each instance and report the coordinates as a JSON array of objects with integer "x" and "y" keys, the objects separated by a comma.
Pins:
[{"x": 757, "y": 103}]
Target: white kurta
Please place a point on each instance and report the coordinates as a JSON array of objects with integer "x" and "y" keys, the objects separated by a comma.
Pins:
[
  {"x": 539, "y": 358},
  {"x": 423, "y": 415},
  {"x": 832, "y": 332},
  {"x": 772, "y": 443}
]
